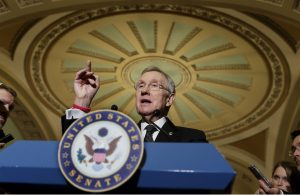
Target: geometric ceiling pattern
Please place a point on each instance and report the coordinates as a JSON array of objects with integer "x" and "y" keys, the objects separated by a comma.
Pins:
[{"x": 228, "y": 74}]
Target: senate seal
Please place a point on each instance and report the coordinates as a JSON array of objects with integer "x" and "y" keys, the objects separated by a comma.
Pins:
[{"x": 100, "y": 151}]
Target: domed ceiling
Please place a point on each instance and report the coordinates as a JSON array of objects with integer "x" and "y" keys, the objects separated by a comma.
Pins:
[
  {"x": 235, "y": 64},
  {"x": 229, "y": 75}
]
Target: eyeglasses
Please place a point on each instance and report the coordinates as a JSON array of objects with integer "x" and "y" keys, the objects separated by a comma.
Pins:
[
  {"x": 294, "y": 149},
  {"x": 151, "y": 87}
]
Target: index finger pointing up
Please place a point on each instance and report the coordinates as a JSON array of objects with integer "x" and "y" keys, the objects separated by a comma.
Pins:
[{"x": 88, "y": 66}]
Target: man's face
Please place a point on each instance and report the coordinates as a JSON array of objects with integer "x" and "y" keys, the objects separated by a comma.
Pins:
[
  {"x": 6, "y": 105},
  {"x": 296, "y": 151},
  {"x": 151, "y": 94}
]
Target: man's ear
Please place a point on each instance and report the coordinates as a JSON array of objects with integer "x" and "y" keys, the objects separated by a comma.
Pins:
[{"x": 170, "y": 100}]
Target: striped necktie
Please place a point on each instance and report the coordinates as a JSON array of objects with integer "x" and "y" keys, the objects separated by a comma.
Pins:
[{"x": 149, "y": 134}]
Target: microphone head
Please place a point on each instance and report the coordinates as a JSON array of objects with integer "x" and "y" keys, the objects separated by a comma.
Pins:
[
  {"x": 114, "y": 107},
  {"x": 156, "y": 112}
]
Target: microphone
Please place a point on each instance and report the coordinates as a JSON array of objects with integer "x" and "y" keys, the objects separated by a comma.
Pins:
[{"x": 114, "y": 107}]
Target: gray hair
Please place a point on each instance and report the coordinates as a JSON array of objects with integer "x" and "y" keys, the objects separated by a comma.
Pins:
[
  {"x": 170, "y": 85},
  {"x": 9, "y": 89}
]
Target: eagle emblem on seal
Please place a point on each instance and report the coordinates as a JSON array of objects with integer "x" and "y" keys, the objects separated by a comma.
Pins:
[{"x": 99, "y": 150}]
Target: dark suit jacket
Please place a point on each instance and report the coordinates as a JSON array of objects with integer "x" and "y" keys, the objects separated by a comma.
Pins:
[
  {"x": 66, "y": 123},
  {"x": 169, "y": 132},
  {"x": 1, "y": 133}
]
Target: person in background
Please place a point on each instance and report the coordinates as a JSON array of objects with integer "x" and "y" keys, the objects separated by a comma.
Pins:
[
  {"x": 295, "y": 154},
  {"x": 7, "y": 99},
  {"x": 295, "y": 175},
  {"x": 282, "y": 174},
  {"x": 295, "y": 148},
  {"x": 155, "y": 94}
]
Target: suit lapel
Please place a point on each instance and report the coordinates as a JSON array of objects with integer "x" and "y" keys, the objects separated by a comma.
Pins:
[{"x": 167, "y": 133}]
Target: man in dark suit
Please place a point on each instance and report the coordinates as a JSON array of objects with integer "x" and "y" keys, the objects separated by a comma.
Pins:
[{"x": 155, "y": 94}]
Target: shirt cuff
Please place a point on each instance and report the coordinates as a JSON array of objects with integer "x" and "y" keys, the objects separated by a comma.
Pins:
[
  {"x": 74, "y": 113},
  {"x": 84, "y": 109}
]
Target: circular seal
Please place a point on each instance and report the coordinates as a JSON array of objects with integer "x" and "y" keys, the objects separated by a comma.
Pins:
[{"x": 100, "y": 151}]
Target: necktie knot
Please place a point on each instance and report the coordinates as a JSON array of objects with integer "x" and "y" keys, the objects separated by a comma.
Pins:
[{"x": 150, "y": 129}]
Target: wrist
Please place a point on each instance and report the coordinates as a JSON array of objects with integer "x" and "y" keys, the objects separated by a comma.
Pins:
[
  {"x": 85, "y": 109},
  {"x": 82, "y": 101}
]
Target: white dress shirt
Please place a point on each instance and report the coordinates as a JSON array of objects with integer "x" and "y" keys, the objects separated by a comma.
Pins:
[{"x": 159, "y": 123}]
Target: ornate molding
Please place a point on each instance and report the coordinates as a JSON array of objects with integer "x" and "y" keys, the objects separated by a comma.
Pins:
[
  {"x": 276, "y": 2},
  {"x": 28, "y": 3},
  {"x": 3, "y": 7},
  {"x": 291, "y": 41}
]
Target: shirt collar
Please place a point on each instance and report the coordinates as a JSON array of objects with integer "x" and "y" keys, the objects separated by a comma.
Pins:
[{"x": 160, "y": 122}]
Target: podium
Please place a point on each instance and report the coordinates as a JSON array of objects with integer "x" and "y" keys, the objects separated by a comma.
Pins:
[{"x": 32, "y": 167}]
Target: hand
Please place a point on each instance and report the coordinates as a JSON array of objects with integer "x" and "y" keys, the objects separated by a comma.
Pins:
[
  {"x": 86, "y": 85},
  {"x": 264, "y": 189}
]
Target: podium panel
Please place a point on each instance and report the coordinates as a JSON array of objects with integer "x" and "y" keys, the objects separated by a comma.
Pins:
[{"x": 166, "y": 167}]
